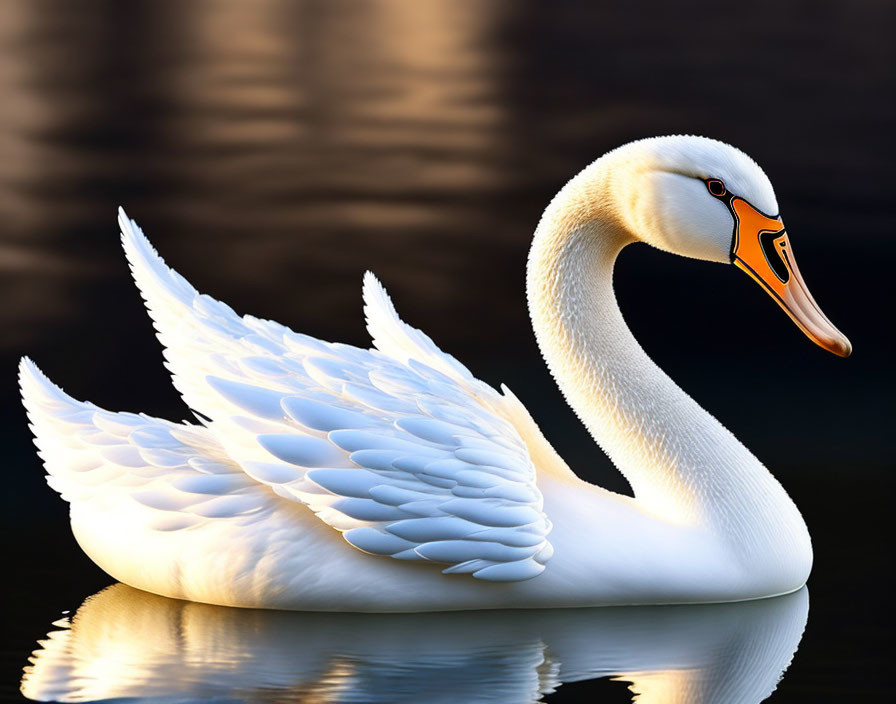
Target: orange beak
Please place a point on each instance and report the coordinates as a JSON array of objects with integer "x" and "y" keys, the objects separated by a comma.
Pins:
[{"x": 762, "y": 249}]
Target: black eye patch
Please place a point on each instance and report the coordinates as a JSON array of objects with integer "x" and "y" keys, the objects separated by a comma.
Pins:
[{"x": 772, "y": 245}]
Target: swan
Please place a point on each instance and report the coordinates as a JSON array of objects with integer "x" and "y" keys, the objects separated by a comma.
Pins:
[
  {"x": 120, "y": 646},
  {"x": 323, "y": 476}
]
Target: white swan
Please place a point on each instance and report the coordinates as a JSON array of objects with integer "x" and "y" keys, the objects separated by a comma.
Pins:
[
  {"x": 127, "y": 645},
  {"x": 413, "y": 461}
]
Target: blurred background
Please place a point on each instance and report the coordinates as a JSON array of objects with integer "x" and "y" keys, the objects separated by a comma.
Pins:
[{"x": 273, "y": 151}]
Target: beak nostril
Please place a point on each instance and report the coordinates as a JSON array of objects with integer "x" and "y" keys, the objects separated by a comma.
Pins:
[{"x": 776, "y": 257}]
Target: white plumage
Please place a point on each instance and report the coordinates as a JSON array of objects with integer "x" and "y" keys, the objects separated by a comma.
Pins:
[
  {"x": 402, "y": 450},
  {"x": 413, "y": 460}
]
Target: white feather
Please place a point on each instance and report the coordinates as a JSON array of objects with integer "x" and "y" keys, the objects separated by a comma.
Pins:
[
  {"x": 243, "y": 374},
  {"x": 141, "y": 464}
]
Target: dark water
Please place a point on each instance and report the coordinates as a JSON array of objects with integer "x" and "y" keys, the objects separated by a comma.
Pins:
[{"x": 273, "y": 151}]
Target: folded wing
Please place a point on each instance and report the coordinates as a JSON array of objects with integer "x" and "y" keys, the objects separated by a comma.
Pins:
[
  {"x": 400, "y": 447},
  {"x": 168, "y": 476}
]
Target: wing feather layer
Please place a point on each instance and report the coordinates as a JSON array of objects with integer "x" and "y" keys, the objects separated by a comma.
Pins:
[{"x": 399, "y": 447}]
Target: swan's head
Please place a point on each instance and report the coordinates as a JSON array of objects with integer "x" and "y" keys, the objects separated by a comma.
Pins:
[{"x": 704, "y": 199}]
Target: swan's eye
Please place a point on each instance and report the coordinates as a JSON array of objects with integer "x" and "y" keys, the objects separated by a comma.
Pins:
[{"x": 716, "y": 187}]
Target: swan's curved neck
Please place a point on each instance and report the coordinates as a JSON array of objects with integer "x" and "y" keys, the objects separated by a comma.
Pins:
[{"x": 682, "y": 464}]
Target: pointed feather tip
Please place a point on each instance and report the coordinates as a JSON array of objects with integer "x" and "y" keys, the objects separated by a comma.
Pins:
[
  {"x": 36, "y": 388},
  {"x": 31, "y": 378},
  {"x": 378, "y": 304},
  {"x": 148, "y": 268},
  {"x": 142, "y": 257},
  {"x": 370, "y": 279},
  {"x": 373, "y": 292},
  {"x": 135, "y": 243}
]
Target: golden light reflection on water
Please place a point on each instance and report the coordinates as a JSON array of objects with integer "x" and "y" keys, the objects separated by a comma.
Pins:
[
  {"x": 357, "y": 112},
  {"x": 301, "y": 124},
  {"x": 123, "y": 643}
]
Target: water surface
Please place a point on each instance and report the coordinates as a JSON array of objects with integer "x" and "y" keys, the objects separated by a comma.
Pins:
[
  {"x": 126, "y": 644},
  {"x": 275, "y": 150}
]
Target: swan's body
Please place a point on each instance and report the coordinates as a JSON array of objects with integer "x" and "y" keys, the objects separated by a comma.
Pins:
[{"x": 415, "y": 461}]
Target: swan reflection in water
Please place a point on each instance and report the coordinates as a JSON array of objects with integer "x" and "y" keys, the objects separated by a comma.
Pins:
[{"x": 125, "y": 643}]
